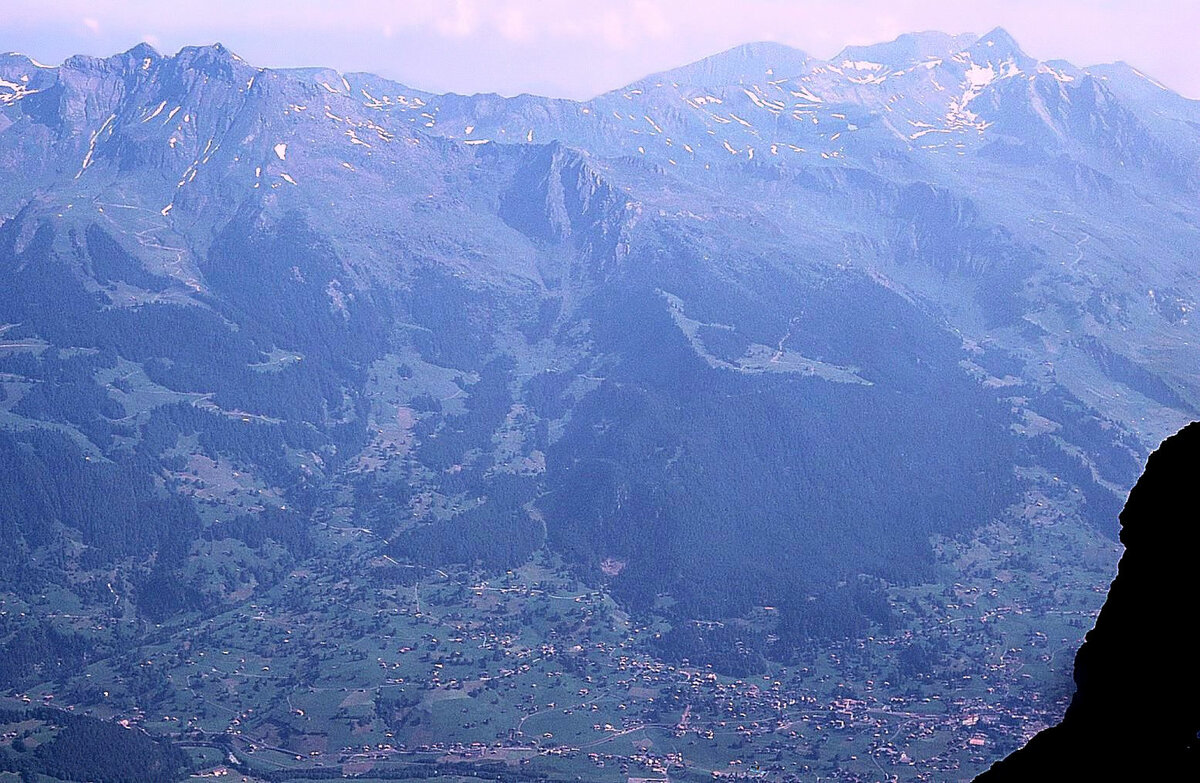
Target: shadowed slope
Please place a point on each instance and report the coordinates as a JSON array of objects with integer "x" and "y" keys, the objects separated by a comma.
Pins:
[{"x": 1137, "y": 707}]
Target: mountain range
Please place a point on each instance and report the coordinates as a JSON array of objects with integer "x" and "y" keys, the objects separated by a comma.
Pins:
[{"x": 752, "y": 338}]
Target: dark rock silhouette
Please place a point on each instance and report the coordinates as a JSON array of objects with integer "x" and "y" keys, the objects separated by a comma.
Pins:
[{"x": 1136, "y": 711}]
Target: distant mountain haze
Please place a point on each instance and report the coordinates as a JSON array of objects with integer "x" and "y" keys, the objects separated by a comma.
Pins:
[{"x": 764, "y": 330}]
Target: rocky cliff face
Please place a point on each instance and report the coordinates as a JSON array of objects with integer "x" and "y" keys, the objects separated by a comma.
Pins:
[{"x": 1137, "y": 708}]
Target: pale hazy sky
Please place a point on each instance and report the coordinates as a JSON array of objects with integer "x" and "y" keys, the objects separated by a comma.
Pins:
[{"x": 576, "y": 48}]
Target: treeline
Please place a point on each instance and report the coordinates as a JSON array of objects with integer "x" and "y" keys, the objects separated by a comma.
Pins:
[
  {"x": 499, "y": 533},
  {"x": 729, "y": 490},
  {"x": 94, "y": 750},
  {"x": 290, "y": 529},
  {"x": 269, "y": 291},
  {"x": 457, "y": 322},
  {"x": 732, "y": 650},
  {"x": 116, "y": 507},
  {"x": 848, "y": 610},
  {"x": 498, "y": 772},
  {"x": 1111, "y": 450},
  {"x": 445, "y": 440},
  {"x": 260, "y": 444},
  {"x": 39, "y": 652},
  {"x": 259, "y": 304},
  {"x": 64, "y": 389}
]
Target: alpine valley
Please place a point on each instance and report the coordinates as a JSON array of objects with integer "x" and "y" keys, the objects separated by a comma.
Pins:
[{"x": 768, "y": 417}]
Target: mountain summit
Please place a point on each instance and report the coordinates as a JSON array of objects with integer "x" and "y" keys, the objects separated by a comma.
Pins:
[
  {"x": 739, "y": 64},
  {"x": 999, "y": 45},
  {"x": 908, "y": 49}
]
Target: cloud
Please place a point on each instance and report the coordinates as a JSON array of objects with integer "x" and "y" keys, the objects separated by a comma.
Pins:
[
  {"x": 649, "y": 19},
  {"x": 581, "y": 46},
  {"x": 611, "y": 27},
  {"x": 462, "y": 21},
  {"x": 513, "y": 24}
]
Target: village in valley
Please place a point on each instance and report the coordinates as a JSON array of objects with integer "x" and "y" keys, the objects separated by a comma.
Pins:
[{"x": 367, "y": 667}]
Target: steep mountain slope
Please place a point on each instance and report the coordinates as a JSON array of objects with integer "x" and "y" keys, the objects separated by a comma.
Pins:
[
  {"x": 1075, "y": 163},
  {"x": 1135, "y": 700},
  {"x": 749, "y": 345}
]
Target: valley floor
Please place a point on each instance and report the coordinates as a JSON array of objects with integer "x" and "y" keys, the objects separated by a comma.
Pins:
[{"x": 366, "y": 668}]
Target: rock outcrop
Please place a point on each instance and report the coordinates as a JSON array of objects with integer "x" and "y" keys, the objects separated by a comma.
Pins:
[{"x": 1136, "y": 711}]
